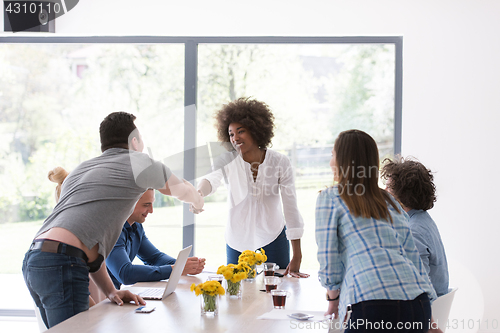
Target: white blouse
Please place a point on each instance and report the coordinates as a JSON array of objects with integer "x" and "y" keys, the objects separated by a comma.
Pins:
[{"x": 255, "y": 214}]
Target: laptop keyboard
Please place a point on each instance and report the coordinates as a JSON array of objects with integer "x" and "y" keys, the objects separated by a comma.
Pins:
[{"x": 153, "y": 292}]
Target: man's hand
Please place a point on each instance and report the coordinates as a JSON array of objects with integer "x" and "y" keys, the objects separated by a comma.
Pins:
[
  {"x": 194, "y": 265},
  {"x": 199, "y": 197},
  {"x": 201, "y": 265},
  {"x": 193, "y": 210},
  {"x": 121, "y": 296}
]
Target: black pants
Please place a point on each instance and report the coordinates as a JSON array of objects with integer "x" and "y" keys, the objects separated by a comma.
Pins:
[{"x": 391, "y": 316}]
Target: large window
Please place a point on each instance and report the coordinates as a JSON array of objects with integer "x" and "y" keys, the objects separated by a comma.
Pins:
[
  {"x": 52, "y": 100},
  {"x": 55, "y": 91},
  {"x": 315, "y": 91}
]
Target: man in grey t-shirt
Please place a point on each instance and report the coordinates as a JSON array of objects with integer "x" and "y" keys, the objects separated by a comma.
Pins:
[{"x": 96, "y": 197}]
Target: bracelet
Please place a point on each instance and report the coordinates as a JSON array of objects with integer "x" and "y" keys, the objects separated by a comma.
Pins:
[{"x": 332, "y": 299}]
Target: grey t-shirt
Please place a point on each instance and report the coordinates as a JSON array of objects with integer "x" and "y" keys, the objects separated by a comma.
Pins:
[{"x": 101, "y": 193}]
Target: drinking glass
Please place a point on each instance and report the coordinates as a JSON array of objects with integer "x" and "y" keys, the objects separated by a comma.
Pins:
[
  {"x": 269, "y": 268},
  {"x": 279, "y": 298},
  {"x": 271, "y": 283},
  {"x": 218, "y": 277}
]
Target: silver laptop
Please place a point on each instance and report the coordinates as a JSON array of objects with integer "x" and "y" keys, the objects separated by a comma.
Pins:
[{"x": 160, "y": 293}]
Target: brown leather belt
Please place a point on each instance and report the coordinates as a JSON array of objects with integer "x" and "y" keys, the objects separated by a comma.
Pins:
[
  {"x": 51, "y": 246},
  {"x": 47, "y": 245}
]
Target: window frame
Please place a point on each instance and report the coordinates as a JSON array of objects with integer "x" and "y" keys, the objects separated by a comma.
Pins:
[{"x": 190, "y": 82}]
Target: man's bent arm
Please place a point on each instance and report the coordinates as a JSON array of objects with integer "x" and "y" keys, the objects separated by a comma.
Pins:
[
  {"x": 182, "y": 190},
  {"x": 125, "y": 272},
  {"x": 103, "y": 281}
]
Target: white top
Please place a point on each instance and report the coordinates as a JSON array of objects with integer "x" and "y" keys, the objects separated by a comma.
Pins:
[{"x": 255, "y": 214}]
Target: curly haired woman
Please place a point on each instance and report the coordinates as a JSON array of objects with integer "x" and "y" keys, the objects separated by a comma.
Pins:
[
  {"x": 256, "y": 177},
  {"x": 412, "y": 185}
]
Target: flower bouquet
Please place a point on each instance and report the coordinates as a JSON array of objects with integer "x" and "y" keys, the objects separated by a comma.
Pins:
[
  {"x": 209, "y": 290},
  {"x": 252, "y": 259},
  {"x": 234, "y": 274}
]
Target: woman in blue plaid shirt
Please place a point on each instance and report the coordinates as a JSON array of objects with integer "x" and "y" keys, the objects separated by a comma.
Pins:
[{"x": 368, "y": 260}]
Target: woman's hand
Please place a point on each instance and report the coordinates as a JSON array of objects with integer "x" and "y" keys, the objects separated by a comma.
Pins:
[
  {"x": 294, "y": 265},
  {"x": 293, "y": 269},
  {"x": 333, "y": 305},
  {"x": 121, "y": 296},
  {"x": 333, "y": 309}
]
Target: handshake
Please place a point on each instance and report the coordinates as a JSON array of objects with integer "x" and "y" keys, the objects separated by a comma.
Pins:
[{"x": 195, "y": 210}]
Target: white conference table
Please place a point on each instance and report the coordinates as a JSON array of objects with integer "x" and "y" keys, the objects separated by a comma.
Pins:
[{"x": 180, "y": 311}]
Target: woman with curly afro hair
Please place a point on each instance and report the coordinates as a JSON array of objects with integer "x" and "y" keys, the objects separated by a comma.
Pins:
[
  {"x": 256, "y": 178},
  {"x": 411, "y": 183}
]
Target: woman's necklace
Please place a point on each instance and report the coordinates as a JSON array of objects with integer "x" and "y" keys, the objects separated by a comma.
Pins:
[{"x": 254, "y": 166}]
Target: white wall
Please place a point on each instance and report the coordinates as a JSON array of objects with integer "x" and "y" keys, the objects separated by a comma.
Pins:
[{"x": 451, "y": 98}]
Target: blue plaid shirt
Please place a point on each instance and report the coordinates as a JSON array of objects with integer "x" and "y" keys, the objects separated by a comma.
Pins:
[{"x": 368, "y": 259}]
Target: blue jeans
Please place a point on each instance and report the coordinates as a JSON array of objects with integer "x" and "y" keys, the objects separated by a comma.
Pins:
[
  {"x": 391, "y": 315},
  {"x": 58, "y": 283},
  {"x": 278, "y": 251}
]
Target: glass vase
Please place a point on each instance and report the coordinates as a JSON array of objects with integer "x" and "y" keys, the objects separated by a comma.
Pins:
[
  {"x": 233, "y": 289},
  {"x": 252, "y": 273},
  {"x": 209, "y": 304}
]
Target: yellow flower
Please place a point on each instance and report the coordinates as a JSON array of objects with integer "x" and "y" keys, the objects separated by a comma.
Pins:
[
  {"x": 244, "y": 267},
  {"x": 252, "y": 258},
  {"x": 234, "y": 273},
  {"x": 220, "y": 290},
  {"x": 210, "y": 288},
  {"x": 221, "y": 269}
]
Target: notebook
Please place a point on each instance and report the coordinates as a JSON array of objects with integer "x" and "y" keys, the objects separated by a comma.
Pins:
[{"x": 160, "y": 293}]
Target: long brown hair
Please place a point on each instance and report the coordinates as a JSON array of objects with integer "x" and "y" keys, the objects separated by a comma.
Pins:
[{"x": 357, "y": 163}]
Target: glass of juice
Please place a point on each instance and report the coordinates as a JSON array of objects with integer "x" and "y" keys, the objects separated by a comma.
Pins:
[
  {"x": 269, "y": 268},
  {"x": 271, "y": 283},
  {"x": 279, "y": 298}
]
